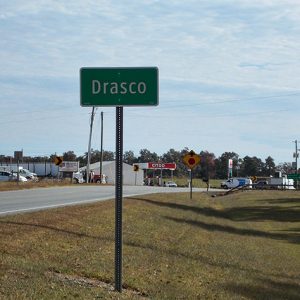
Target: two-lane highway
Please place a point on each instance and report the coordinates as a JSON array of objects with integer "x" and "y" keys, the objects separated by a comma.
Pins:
[{"x": 12, "y": 202}]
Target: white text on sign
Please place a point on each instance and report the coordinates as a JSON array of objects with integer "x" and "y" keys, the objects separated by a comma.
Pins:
[{"x": 99, "y": 87}]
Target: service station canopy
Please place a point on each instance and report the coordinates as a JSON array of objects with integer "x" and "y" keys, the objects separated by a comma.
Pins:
[{"x": 119, "y": 86}]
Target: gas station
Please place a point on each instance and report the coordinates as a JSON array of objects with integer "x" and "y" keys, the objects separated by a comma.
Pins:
[{"x": 155, "y": 178}]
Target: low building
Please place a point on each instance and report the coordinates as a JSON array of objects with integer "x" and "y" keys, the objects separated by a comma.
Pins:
[{"x": 130, "y": 177}]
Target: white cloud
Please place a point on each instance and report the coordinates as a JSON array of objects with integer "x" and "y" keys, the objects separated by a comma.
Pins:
[{"x": 207, "y": 51}]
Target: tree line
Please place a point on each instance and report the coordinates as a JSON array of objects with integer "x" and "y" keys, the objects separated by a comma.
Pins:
[{"x": 209, "y": 167}]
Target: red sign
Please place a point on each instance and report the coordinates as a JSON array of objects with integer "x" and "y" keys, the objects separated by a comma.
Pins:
[{"x": 167, "y": 166}]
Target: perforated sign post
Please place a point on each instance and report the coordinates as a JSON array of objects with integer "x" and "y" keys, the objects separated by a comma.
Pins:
[{"x": 119, "y": 87}]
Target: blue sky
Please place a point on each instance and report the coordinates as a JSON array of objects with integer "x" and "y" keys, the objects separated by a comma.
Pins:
[{"x": 229, "y": 74}]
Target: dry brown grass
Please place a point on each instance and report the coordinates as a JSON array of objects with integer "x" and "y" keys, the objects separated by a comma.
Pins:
[
  {"x": 11, "y": 185},
  {"x": 241, "y": 246}
]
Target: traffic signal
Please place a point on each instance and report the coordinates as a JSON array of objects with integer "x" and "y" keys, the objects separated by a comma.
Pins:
[{"x": 135, "y": 168}]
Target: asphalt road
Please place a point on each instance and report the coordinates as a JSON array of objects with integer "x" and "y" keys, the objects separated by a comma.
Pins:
[{"x": 13, "y": 202}]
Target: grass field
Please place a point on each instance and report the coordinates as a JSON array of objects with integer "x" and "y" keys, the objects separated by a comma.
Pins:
[
  {"x": 197, "y": 182},
  {"x": 12, "y": 185},
  {"x": 241, "y": 246}
]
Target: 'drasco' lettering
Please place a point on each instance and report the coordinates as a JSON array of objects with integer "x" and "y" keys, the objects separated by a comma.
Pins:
[{"x": 114, "y": 88}]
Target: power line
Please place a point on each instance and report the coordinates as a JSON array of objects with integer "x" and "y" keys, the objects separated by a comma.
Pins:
[
  {"x": 212, "y": 116},
  {"x": 234, "y": 100}
]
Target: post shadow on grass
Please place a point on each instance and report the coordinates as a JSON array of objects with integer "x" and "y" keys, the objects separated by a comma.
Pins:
[
  {"x": 290, "y": 237},
  {"x": 246, "y": 213},
  {"x": 186, "y": 255},
  {"x": 282, "y": 201},
  {"x": 51, "y": 228},
  {"x": 129, "y": 242},
  {"x": 265, "y": 289}
]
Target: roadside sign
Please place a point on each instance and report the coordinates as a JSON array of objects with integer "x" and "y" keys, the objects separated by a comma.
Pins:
[
  {"x": 18, "y": 155},
  {"x": 69, "y": 166},
  {"x": 58, "y": 160},
  {"x": 119, "y": 86},
  {"x": 191, "y": 159},
  {"x": 253, "y": 178},
  {"x": 136, "y": 168},
  {"x": 294, "y": 176},
  {"x": 167, "y": 166}
]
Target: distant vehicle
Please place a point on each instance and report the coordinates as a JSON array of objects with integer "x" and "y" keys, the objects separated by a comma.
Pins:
[
  {"x": 23, "y": 172},
  {"x": 78, "y": 177},
  {"x": 97, "y": 179},
  {"x": 5, "y": 176},
  {"x": 260, "y": 184},
  {"x": 9, "y": 176},
  {"x": 236, "y": 182},
  {"x": 170, "y": 184},
  {"x": 27, "y": 174},
  {"x": 281, "y": 183}
]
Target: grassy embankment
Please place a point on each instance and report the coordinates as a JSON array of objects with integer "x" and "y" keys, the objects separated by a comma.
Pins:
[
  {"x": 12, "y": 186},
  {"x": 241, "y": 246},
  {"x": 198, "y": 183}
]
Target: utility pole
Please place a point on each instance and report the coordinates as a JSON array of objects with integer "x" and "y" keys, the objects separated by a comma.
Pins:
[
  {"x": 101, "y": 147},
  {"x": 296, "y": 157},
  {"x": 89, "y": 146}
]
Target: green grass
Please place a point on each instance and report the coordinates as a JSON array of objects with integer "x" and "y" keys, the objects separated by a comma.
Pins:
[
  {"x": 198, "y": 183},
  {"x": 240, "y": 246}
]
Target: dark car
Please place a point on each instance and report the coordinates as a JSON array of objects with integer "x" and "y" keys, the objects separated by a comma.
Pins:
[{"x": 263, "y": 184}]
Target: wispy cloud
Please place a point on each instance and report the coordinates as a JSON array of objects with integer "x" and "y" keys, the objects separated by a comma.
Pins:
[{"x": 208, "y": 52}]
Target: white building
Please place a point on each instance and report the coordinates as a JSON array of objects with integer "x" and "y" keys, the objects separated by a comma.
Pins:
[{"x": 130, "y": 177}]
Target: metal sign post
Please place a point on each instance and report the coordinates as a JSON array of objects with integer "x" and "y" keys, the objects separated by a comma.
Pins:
[
  {"x": 119, "y": 194},
  {"x": 191, "y": 185}
]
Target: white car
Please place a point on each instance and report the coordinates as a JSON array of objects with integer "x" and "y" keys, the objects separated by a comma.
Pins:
[
  {"x": 7, "y": 176},
  {"x": 170, "y": 184},
  {"x": 29, "y": 175}
]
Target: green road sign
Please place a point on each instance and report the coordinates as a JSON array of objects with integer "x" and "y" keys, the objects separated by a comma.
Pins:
[
  {"x": 119, "y": 86},
  {"x": 294, "y": 176}
]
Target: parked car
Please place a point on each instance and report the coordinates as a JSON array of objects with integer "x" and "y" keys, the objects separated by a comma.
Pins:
[
  {"x": 260, "y": 184},
  {"x": 7, "y": 176},
  {"x": 170, "y": 184},
  {"x": 27, "y": 174},
  {"x": 22, "y": 171}
]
